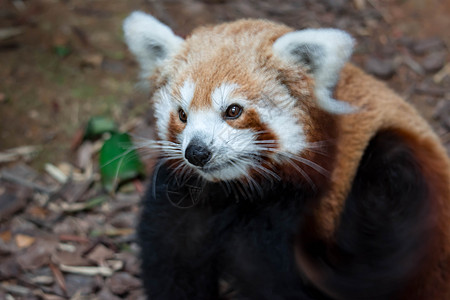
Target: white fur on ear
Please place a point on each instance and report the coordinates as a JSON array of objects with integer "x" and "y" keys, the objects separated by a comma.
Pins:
[
  {"x": 323, "y": 52},
  {"x": 149, "y": 40}
]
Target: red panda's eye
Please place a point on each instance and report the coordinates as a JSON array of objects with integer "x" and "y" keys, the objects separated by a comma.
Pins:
[
  {"x": 233, "y": 111},
  {"x": 182, "y": 115}
]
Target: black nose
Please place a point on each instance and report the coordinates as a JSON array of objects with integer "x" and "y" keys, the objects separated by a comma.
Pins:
[{"x": 197, "y": 154}]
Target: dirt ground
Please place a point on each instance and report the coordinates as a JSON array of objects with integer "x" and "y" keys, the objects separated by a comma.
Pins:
[{"x": 64, "y": 61}]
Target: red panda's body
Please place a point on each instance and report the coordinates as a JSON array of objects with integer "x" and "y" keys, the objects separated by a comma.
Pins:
[
  {"x": 268, "y": 184},
  {"x": 383, "y": 110}
]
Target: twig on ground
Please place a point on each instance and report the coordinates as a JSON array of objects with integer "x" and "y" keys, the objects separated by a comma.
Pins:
[{"x": 5, "y": 175}]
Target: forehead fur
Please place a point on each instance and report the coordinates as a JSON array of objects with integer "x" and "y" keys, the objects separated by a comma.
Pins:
[{"x": 238, "y": 52}]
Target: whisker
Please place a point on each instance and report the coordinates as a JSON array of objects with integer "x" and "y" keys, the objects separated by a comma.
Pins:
[
  {"x": 318, "y": 151},
  {"x": 178, "y": 166},
  {"x": 300, "y": 159},
  {"x": 120, "y": 156},
  {"x": 303, "y": 173},
  {"x": 250, "y": 158},
  {"x": 186, "y": 173},
  {"x": 234, "y": 189},
  {"x": 264, "y": 169},
  {"x": 260, "y": 131},
  {"x": 244, "y": 192},
  {"x": 311, "y": 164},
  {"x": 273, "y": 142},
  {"x": 254, "y": 186}
]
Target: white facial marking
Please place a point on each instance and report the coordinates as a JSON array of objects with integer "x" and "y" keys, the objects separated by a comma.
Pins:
[
  {"x": 229, "y": 146},
  {"x": 221, "y": 96},
  {"x": 187, "y": 93},
  {"x": 278, "y": 115},
  {"x": 163, "y": 107}
]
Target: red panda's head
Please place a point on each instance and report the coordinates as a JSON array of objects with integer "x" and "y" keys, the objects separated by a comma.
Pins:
[{"x": 243, "y": 100}]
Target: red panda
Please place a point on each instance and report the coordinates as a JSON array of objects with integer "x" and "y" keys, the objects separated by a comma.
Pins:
[{"x": 285, "y": 172}]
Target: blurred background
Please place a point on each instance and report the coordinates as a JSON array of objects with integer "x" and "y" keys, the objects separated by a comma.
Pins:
[{"x": 66, "y": 78}]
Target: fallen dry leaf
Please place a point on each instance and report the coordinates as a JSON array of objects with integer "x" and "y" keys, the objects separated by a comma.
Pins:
[
  {"x": 15, "y": 289},
  {"x": 72, "y": 172},
  {"x": 67, "y": 247},
  {"x": 12, "y": 200},
  {"x": 56, "y": 173},
  {"x": 6, "y": 33},
  {"x": 131, "y": 261},
  {"x": 359, "y": 4},
  {"x": 67, "y": 227},
  {"x": 7, "y": 249},
  {"x": 444, "y": 72},
  {"x": 24, "y": 241},
  {"x": 73, "y": 238},
  {"x": 42, "y": 279},
  {"x": 100, "y": 254},
  {"x": 5, "y": 236},
  {"x": 47, "y": 296},
  {"x": 70, "y": 258},
  {"x": 37, "y": 255},
  {"x": 115, "y": 264},
  {"x": 78, "y": 296},
  {"x": 91, "y": 60},
  {"x": 73, "y": 207},
  {"x": 124, "y": 220},
  {"x": 105, "y": 294},
  {"x": 139, "y": 187},
  {"x": 37, "y": 212},
  {"x": 23, "y": 181},
  {"x": 77, "y": 139},
  {"x": 118, "y": 231},
  {"x": 59, "y": 277},
  {"x": 25, "y": 152},
  {"x": 9, "y": 267},
  {"x": 121, "y": 283},
  {"x": 89, "y": 271},
  {"x": 138, "y": 294},
  {"x": 80, "y": 206},
  {"x": 84, "y": 155},
  {"x": 81, "y": 285}
]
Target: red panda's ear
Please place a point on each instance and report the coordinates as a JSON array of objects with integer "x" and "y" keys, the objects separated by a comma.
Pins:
[
  {"x": 323, "y": 52},
  {"x": 149, "y": 40}
]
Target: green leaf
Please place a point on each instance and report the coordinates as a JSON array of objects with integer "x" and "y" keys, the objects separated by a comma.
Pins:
[
  {"x": 98, "y": 126},
  {"x": 96, "y": 233},
  {"x": 62, "y": 51},
  {"x": 118, "y": 161},
  {"x": 96, "y": 201}
]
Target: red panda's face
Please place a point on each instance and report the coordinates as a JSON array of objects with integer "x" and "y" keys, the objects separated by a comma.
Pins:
[
  {"x": 228, "y": 135},
  {"x": 241, "y": 100}
]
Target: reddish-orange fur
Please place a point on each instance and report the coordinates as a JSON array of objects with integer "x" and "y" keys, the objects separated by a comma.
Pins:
[{"x": 212, "y": 56}]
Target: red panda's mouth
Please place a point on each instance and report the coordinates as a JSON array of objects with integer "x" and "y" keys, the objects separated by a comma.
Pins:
[
  {"x": 218, "y": 167},
  {"x": 215, "y": 168}
]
